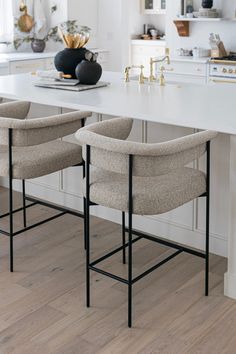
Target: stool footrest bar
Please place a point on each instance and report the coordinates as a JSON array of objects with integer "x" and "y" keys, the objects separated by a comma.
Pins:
[
  {"x": 38, "y": 223},
  {"x": 18, "y": 210},
  {"x": 110, "y": 275},
  {"x": 150, "y": 270},
  {"x": 112, "y": 253},
  {"x": 168, "y": 243},
  {"x": 54, "y": 206}
]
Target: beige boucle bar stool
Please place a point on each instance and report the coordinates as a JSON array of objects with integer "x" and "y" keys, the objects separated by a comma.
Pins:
[
  {"x": 30, "y": 149},
  {"x": 142, "y": 179}
]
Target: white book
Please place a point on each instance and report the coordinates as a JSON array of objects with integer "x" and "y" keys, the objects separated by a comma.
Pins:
[{"x": 57, "y": 82}]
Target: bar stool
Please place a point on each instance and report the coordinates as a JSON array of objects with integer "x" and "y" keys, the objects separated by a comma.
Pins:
[
  {"x": 29, "y": 149},
  {"x": 141, "y": 179}
]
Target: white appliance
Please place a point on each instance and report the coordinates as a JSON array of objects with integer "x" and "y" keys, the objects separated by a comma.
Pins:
[{"x": 223, "y": 70}]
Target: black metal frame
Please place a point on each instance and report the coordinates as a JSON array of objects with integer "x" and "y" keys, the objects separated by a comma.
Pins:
[
  {"x": 139, "y": 235},
  {"x": 33, "y": 202}
]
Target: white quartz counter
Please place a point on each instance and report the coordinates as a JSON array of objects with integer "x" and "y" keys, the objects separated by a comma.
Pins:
[{"x": 186, "y": 105}]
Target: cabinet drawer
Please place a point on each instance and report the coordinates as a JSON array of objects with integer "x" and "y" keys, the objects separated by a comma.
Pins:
[
  {"x": 25, "y": 66},
  {"x": 197, "y": 69}
]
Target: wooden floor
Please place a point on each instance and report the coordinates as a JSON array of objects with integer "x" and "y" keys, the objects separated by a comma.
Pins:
[{"x": 42, "y": 304}]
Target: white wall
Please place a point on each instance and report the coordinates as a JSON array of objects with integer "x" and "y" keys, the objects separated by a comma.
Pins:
[
  {"x": 118, "y": 22},
  {"x": 110, "y": 31},
  {"x": 86, "y": 13}
]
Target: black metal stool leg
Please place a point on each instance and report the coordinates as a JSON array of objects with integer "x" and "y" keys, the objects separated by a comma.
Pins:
[
  {"x": 87, "y": 226},
  {"x": 130, "y": 273},
  {"x": 10, "y": 199},
  {"x": 130, "y": 226},
  {"x": 123, "y": 238},
  {"x": 207, "y": 220},
  {"x": 11, "y": 223},
  {"x": 84, "y": 207},
  {"x": 207, "y": 247},
  {"x": 24, "y": 203},
  {"x": 85, "y": 239}
]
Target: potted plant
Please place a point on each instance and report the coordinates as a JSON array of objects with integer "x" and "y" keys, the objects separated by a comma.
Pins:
[{"x": 37, "y": 44}]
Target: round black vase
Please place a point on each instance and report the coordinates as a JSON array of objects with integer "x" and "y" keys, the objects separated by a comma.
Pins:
[
  {"x": 207, "y": 4},
  {"x": 38, "y": 45},
  {"x": 88, "y": 72},
  {"x": 68, "y": 59}
]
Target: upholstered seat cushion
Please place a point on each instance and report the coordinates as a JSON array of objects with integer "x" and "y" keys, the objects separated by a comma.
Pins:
[
  {"x": 151, "y": 195},
  {"x": 39, "y": 160}
]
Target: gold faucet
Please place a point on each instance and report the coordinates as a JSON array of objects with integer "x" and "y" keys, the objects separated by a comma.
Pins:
[
  {"x": 127, "y": 69},
  {"x": 141, "y": 75},
  {"x": 152, "y": 77},
  {"x": 154, "y": 61},
  {"x": 162, "y": 69}
]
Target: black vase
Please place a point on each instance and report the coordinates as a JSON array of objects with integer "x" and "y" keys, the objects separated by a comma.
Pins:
[
  {"x": 88, "y": 72},
  {"x": 68, "y": 59},
  {"x": 38, "y": 45},
  {"x": 207, "y": 4}
]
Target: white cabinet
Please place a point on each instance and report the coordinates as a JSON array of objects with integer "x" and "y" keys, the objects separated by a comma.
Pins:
[
  {"x": 24, "y": 66},
  {"x": 153, "y": 7},
  {"x": 141, "y": 52},
  {"x": 46, "y": 63},
  {"x": 184, "y": 71}
]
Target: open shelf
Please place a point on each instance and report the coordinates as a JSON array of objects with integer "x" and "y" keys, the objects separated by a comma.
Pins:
[
  {"x": 182, "y": 24},
  {"x": 200, "y": 19}
]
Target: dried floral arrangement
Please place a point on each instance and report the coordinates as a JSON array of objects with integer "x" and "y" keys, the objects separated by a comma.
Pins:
[{"x": 73, "y": 35}]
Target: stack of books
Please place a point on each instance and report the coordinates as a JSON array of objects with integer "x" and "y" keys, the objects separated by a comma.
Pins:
[{"x": 66, "y": 84}]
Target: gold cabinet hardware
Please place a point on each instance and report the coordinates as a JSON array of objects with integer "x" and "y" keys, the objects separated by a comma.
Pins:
[{"x": 223, "y": 81}]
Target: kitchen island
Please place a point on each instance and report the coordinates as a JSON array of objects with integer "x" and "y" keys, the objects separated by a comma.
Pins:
[{"x": 160, "y": 113}]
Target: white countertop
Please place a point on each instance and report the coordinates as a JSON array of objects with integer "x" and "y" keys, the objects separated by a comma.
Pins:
[
  {"x": 187, "y": 105},
  {"x": 16, "y": 56},
  {"x": 158, "y": 43}
]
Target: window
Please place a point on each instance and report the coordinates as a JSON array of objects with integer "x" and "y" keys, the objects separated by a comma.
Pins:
[{"x": 6, "y": 21}]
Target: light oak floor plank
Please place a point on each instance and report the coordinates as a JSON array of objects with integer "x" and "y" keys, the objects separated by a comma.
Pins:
[{"x": 42, "y": 304}]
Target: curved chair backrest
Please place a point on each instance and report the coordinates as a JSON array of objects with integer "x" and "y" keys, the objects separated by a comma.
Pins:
[
  {"x": 29, "y": 132},
  {"x": 110, "y": 152}
]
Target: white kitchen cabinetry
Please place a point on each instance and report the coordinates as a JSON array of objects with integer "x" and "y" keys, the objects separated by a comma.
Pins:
[
  {"x": 153, "y": 7},
  {"x": 186, "y": 71},
  {"x": 142, "y": 51},
  {"x": 45, "y": 63}
]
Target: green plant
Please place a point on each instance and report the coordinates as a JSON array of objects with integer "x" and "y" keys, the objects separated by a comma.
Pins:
[
  {"x": 70, "y": 27},
  {"x": 51, "y": 35}
]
